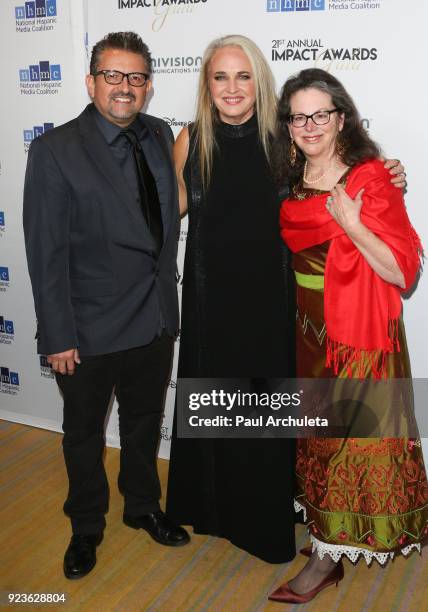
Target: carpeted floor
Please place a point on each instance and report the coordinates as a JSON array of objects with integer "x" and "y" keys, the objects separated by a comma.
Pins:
[{"x": 134, "y": 573}]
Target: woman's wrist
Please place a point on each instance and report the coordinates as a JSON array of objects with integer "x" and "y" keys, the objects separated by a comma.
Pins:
[{"x": 355, "y": 230}]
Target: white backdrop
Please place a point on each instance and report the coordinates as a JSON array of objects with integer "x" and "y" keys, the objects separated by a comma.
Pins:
[{"x": 374, "y": 47}]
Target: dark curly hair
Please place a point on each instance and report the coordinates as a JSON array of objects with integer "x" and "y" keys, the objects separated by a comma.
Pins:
[
  {"x": 358, "y": 146},
  {"x": 125, "y": 41}
]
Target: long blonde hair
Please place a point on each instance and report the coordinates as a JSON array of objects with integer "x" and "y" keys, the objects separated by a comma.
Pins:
[{"x": 206, "y": 117}]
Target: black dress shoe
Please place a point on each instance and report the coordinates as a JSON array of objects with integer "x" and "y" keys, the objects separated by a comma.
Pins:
[
  {"x": 80, "y": 556},
  {"x": 159, "y": 527}
]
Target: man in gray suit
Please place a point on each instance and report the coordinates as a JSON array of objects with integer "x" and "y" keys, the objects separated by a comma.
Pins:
[{"x": 101, "y": 222}]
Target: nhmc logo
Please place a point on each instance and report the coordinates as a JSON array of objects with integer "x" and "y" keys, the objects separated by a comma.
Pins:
[
  {"x": 45, "y": 368},
  {"x": 8, "y": 378},
  {"x": 286, "y": 6},
  {"x": 9, "y": 381},
  {"x": 4, "y": 276},
  {"x": 7, "y": 331},
  {"x": 36, "y": 10},
  {"x": 43, "y": 71},
  {"x": 37, "y": 130},
  {"x": 6, "y": 327}
]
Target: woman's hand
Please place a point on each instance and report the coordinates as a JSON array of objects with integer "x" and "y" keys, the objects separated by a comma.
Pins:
[
  {"x": 397, "y": 172},
  {"x": 345, "y": 211}
]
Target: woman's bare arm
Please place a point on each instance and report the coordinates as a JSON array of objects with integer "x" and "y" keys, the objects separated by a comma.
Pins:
[{"x": 181, "y": 151}]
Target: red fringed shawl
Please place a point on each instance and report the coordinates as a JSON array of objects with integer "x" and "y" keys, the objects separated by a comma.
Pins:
[{"x": 361, "y": 310}]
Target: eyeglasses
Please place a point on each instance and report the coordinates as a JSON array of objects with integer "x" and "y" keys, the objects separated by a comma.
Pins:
[
  {"x": 319, "y": 118},
  {"x": 115, "y": 77}
]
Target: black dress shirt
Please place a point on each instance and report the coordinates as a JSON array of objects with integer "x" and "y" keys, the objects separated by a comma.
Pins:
[{"x": 122, "y": 150}]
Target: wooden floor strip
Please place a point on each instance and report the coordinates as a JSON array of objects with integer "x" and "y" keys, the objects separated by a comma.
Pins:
[{"x": 133, "y": 573}]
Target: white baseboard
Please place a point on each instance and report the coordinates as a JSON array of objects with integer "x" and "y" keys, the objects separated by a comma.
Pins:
[
  {"x": 26, "y": 419},
  {"x": 29, "y": 419}
]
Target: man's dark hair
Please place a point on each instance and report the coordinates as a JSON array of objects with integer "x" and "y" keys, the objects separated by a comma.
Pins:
[{"x": 125, "y": 41}]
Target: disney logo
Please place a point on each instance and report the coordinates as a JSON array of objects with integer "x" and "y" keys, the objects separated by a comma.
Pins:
[{"x": 173, "y": 122}]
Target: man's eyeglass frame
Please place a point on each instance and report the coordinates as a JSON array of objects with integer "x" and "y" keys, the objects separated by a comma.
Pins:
[{"x": 124, "y": 74}]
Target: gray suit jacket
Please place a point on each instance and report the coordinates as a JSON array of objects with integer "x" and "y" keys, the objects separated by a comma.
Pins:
[{"x": 97, "y": 282}]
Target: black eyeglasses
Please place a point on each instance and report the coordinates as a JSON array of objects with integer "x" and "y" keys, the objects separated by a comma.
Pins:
[
  {"x": 319, "y": 118},
  {"x": 115, "y": 77}
]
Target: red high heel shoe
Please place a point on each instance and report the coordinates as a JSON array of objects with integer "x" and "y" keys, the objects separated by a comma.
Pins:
[{"x": 285, "y": 594}]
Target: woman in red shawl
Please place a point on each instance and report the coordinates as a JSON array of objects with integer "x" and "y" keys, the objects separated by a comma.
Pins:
[{"x": 354, "y": 252}]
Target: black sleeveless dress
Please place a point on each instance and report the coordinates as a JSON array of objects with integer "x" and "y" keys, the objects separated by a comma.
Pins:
[{"x": 237, "y": 321}]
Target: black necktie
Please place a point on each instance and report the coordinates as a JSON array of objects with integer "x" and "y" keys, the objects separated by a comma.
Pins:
[{"x": 150, "y": 204}]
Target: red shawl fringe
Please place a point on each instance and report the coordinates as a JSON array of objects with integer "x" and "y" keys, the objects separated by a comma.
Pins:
[{"x": 355, "y": 360}]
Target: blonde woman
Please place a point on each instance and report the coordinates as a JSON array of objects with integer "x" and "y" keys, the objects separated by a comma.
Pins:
[{"x": 234, "y": 312}]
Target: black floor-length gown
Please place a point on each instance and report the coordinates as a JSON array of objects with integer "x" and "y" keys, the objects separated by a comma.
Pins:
[{"x": 237, "y": 321}]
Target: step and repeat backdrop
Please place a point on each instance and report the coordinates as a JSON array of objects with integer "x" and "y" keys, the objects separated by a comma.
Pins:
[{"x": 375, "y": 47}]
